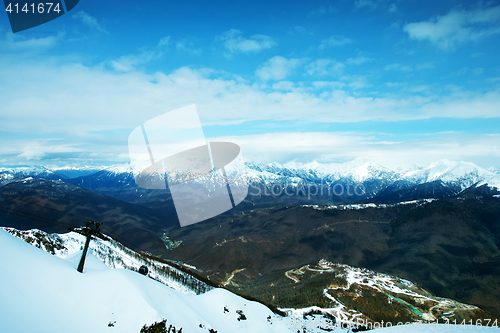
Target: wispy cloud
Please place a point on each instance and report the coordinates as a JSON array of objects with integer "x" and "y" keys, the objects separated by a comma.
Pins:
[
  {"x": 234, "y": 42},
  {"x": 19, "y": 43},
  {"x": 277, "y": 68},
  {"x": 88, "y": 20},
  {"x": 370, "y": 4},
  {"x": 283, "y": 85},
  {"x": 334, "y": 41},
  {"x": 356, "y": 81},
  {"x": 408, "y": 68},
  {"x": 425, "y": 65},
  {"x": 103, "y": 100},
  {"x": 38, "y": 149},
  {"x": 187, "y": 45},
  {"x": 398, "y": 67},
  {"x": 347, "y": 146},
  {"x": 322, "y": 11},
  {"x": 323, "y": 67},
  {"x": 478, "y": 71},
  {"x": 300, "y": 30},
  {"x": 358, "y": 60},
  {"x": 418, "y": 89},
  {"x": 130, "y": 62},
  {"x": 457, "y": 27},
  {"x": 375, "y": 4}
]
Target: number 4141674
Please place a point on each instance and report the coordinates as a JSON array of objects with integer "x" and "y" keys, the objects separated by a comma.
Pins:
[
  {"x": 41, "y": 8},
  {"x": 478, "y": 323}
]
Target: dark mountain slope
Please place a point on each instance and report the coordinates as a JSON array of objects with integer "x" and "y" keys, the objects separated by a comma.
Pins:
[
  {"x": 53, "y": 206},
  {"x": 450, "y": 247}
]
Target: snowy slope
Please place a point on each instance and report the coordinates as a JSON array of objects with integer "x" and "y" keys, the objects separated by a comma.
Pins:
[
  {"x": 43, "y": 293},
  {"x": 462, "y": 173},
  {"x": 359, "y": 170},
  {"x": 113, "y": 254}
]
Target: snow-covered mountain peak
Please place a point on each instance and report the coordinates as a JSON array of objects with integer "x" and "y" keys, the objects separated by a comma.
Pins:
[
  {"x": 464, "y": 173},
  {"x": 451, "y": 171},
  {"x": 493, "y": 170},
  {"x": 358, "y": 169},
  {"x": 121, "y": 168},
  {"x": 368, "y": 170},
  {"x": 33, "y": 170}
]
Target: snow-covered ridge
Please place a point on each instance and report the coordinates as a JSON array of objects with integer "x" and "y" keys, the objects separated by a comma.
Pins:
[
  {"x": 362, "y": 170},
  {"x": 49, "y": 172},
  {"x": 45, "y": 294},
  {"x": 467, "y": 174},
  {"x": 358, "y": 170},
  {"x": 112, "y": 254},
  {"x": 370, "y": 205}
]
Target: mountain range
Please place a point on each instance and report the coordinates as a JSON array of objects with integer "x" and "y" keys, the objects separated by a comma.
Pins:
[{"x": 273, "y": 184}]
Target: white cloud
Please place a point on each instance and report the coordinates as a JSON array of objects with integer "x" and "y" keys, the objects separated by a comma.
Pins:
[
  {"x": 356, "y": 82},
  {"x": 130, "y": 62},
  {"x": 328, "y": 84},
  {"x": 38, "y": 149},
  {"x": 283, "y": 85},
  {"x": 418, "y": 89},
  {"x": 19, "y": 43},
  {"x": 105, "y": 100},
  {"x": 478, "y": 71},
  {"x": 164, "y": 42},
  {"x": 88, "y": 20},
  {"x": 334, "y": 41},
  {"x": 234, "y": 42},
  {"x": 375, "y": 4},
  {"x": 493, "y": 79},
  {"x": 365, "y": 3},
  {"x": 94, "y": 109},
  {"x": 398, "y": 67},
  {"x": 394, "y": 84},
  {"x": 322, "y": 11},
  {"x": 425, "y": 65},
  {"x": 276, "y": 68},
  {"x": 456, "y": 27},
  {"x": 345, "y": 146},
  {"x": 358, "y": 60},
  {"x": 322, "y": 67},
  {"x": 32, "y": 154},
  {"x": 300, "y": 30},
  {"x": 187, "y": 45},
  {"x": 408, "y": 68}
]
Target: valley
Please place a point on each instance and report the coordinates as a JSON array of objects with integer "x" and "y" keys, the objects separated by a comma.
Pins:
[{"x": 448, "y": 247}]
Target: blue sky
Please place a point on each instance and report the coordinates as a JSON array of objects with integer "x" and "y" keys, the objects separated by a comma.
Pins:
[{"x": 396, "y": 82}]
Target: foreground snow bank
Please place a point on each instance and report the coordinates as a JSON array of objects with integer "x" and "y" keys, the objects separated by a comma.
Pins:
[{"x": 42, "y": 293}]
